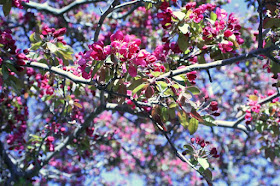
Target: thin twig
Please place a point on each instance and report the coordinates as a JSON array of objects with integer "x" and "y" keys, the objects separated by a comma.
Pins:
[
  {"x": 260, "y": 10},
  {"x": 102, "y": 18}
]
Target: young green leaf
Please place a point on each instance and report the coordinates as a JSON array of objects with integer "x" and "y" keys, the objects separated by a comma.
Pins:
[
  {"x": 203, "y": 162},
  {"x": 193, "y": 125}
]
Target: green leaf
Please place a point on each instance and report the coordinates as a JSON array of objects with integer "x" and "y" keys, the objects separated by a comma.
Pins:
[
  {"x": 162, "y": 85},
  {"x": 203, "y": 162},
  {"x": 139, "y": 88},
  {"x": 183, "y": 119},
  {"x": 164, "y": 114},
  {"x": 97, "y": 67},
  {"x": 5, "y": 72},
  {"x": 64, "y": 56},
  {"x": 43, "y": 61},
  {"x": 180, "y": 15},
  {"x": 52, "y": 47},
  {"x": 55, "y": 62},
  {"x": 201, "y": 59},
  {"x": 173, "y": 105},
  {"x": 208, "y": 121},
  {"x": 7, "y": 7},
  {"x": 271, "y": 23},
  {"x": 269, "y": 153},
  {"x": 213, "y": 16},
  {"x": 78, "y": 105},
  {"x": 67, "y": 49},
  {"x": 184, "y": 28},
  {"x": 183, "y": 42},
  {"x": 196, "y": 115},
  {"x": 35, "y": 37},
  {"x": 10, "y": 65},
  {"x": 208, "y": 174},
  {"x": 135, "y": 82},
  {"x": 172, "y": 113},
  {"x": 275, "y": 68},
  {"x": 179, "y": 79},
  {"x": 15, "y": 83},
  {"x": 155, "y": 73},
  {"x": 193, "y": 90},
  {"x": 193, "y": 125},
  {"x": 36, "y": 46},
  {"x": 189, "y": 148},
  {"x": 148, "y": 6}
]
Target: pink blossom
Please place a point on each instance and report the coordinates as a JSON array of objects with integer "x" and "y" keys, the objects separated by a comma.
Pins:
[
  {"x": 228, "y": 33},
  {"x": 118, "y": 36},
  {"x": 132, "y": 71},
  {"x": 190, "y": 5},
  {"x": 225, "y": 46},
  {"x": 221, "y": 14}
]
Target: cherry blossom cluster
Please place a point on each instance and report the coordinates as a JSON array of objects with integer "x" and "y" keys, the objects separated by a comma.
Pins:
[
  {"x": 214, "y": 108},
  {"x": 256, "y": 109},
  {"x": 56, "y": 35},
  {"x": 218, "y": 31},
  {"x": 202, "y": 148},
  {"x": 17, "y": 3},
  {"x": 16, "y": 107},
  {"x": 8, "y": 49},
  {"x": 125, "y": 50}
]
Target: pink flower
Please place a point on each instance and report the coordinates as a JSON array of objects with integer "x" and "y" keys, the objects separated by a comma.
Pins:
[
  {"x": 214, "y": 105},
  {"x": 228, "y": 33},
  {"x": 97, "y": 52},
  {"x": 118, "y": 36},
  {"x": 221, "y": 14},
  {"x": 225, "y": 46},
  {"x": 50, "y": 90},
  {"x": 50, "y": 139},
  {"x": 191, "y": 75},
  {"x": 190, "y": 5},
  {"x": 197, "y": 15},
  {"x": 132, "y": 70}
]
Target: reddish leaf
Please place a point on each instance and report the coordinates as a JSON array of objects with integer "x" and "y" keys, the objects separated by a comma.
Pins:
[
  {"x": 197, "y": 116},
  {"x": 149, "y": 92}
]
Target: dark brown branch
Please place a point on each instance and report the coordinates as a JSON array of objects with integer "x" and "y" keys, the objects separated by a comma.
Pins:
[
  {"x": 260, "y": 38},
  {"x": 13, "y": 168},
  {"x": 113, "y": 6},
  {"x": 102, "y": 18}
]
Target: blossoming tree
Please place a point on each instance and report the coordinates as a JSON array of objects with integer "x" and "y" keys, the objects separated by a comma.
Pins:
[{"x": 173, "y": 91}]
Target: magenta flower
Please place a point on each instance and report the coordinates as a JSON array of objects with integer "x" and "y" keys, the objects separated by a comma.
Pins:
[
  {"x": 228, "y": 33},
  {"x": 118, "y": 36},
  {"x": 197, "y": 15},
  {"x": 226, "y": 46},
  {"x": 221, "y": 14},
  {"x": 132, "y": 70}
]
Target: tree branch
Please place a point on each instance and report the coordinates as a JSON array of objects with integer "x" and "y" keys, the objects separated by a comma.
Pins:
[
  {"x": 114, "y": 6},
  {"x": 231, "y": 124},
  {"x": 66, "y": 141},
  {"x": 102, "y": 18},
  {"x": 219, "y": 63},
  {"x": 56, "y": 11},
  {"x": 260, "y": 38},
  {"x": 61, "y": 72},
  {"x": 264, "y": 101},
  {"x": 13, "y": 168}
]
